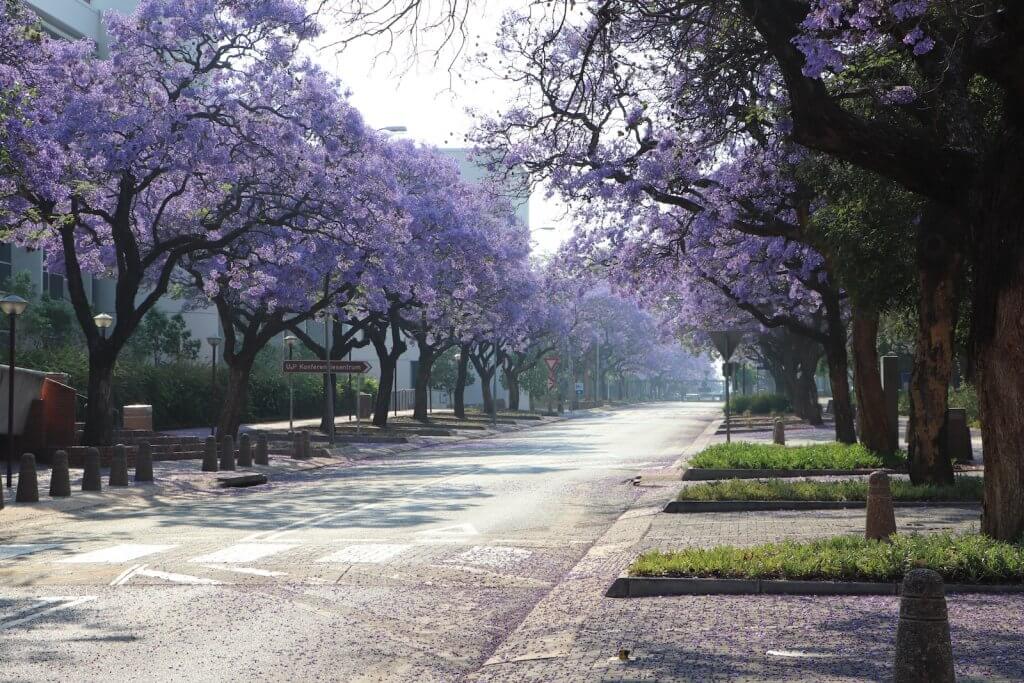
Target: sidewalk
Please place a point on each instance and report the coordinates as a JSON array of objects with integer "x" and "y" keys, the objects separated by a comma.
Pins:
[
  {"x": 574, "y": 633},
  {"x": 283, "y": 425}
]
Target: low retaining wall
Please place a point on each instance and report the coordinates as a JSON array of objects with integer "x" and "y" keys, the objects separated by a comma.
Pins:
[
  {"x": 708, "y": 474},
  {"x": 696, "y": 506},
  {"x": 644, "y": 587}
]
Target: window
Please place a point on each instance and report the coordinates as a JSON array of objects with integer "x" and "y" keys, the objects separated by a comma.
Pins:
[
  {"x": 5, "y": 265},
  {"x": 53, "y": 284}
]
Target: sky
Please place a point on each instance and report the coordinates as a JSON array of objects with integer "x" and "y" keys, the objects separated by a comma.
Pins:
[{"x": 391, "y": 88}]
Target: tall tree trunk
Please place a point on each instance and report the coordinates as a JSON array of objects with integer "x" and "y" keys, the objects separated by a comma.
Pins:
[
  {"x": 325, "y": 426},
  {"x": 512, "y": 379},
  {"x": 459, "y": 400},
  {"x": 383, "y": 400},
  {"x": 485, "y": 389},
  {"x": 234, "y": 401},
  {"x": 792, "y": 360},
  {"x": 867, "y": 382},
  {"x": 423, "y": 368},
  {"x": 838, "y": 366},
  {"x": 99, "y": 425},
  {"x": 939, "y": 268}
]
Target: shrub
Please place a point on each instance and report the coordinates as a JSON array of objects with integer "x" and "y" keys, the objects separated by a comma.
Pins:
[
  {"x": 831, "y": 455},
  {"x": 759, "y": 404}
]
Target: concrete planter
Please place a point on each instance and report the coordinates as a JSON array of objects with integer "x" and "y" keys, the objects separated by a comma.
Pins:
[
  {"x": 708, "y": 474},
  {"x": 696, "y": 506},
  {"x": 646, "y": 586}
]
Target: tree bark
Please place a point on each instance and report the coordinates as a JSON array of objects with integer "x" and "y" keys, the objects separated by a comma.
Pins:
[
  {"x": 939, "y": 268},
  {"x": 792, "y": 360},
  {"x": 459, "y": 400},
  {"x": 512, "y": 379},
  {"x": 383, "y": 400},
  {"x": 99, "y": 410},
  {"x": 838, "y": 366},
  {"x": 233, "y": 405},
  {"x": 422, "y": 381},
  {"x": 874, "y": 423}
]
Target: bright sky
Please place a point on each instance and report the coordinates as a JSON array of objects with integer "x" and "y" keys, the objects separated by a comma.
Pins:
[{"x": 431, "y": 101}]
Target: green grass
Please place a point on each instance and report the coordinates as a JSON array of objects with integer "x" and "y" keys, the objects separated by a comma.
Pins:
[
  {"x": 964, "y": 489},
  {"x": 968, "y": 558},
  {"x": 772, "y": 457}
]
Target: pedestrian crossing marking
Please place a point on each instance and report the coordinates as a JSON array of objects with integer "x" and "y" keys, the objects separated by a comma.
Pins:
[
  {"x": 116, "y": 554},
  {"x": 242, "y": 553},
  {"x": 492, "y": 556},
  {"x": 371, "y": 553},
  {"x": 18, "y": 549}
]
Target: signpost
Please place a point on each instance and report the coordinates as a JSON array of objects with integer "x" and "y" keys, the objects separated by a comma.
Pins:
[
  {"x": 726, "y": 342},
  {"x": 336, "y": 367},
  {"x": 552, "y": 363}
]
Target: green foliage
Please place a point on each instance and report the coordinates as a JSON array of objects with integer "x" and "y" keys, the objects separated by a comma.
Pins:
[
  {"x": 162, "y": 338},
  {"x": 967, "y": 558},
  {"x": 831, "y": 455},
  {"x": 46, "y": 323},
  {"x": 446, "y": 371},
  {"x": 759, "y": 404},
  {"x": 964, "y": 489},
  {"x": 966, "y": 397}
]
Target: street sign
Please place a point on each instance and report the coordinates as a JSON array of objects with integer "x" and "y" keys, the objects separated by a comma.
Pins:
[
  {"x": 552, "y": 362},
  {"x": 726, "y": 342},
  {"x": 552, "y": 383},
  {"x": 319, "y": 367},
  {"x": 579, "y": 387}
]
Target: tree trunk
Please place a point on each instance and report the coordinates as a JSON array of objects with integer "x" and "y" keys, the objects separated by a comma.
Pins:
[
  {"x": 459, "y": 400},
  {"x": 874, "y": 423},
  {"x": 325, "y": 426},
  {"x": 792, "y": 361},
  {"x": 485, "y": 387},
  {"x": 939, "y": 267},
  {"x": 422, "y": 382},
  {"x": 838, "y": 365},
  {"x": 383, "y": 401},
  {"x": 512, "y": 379},
  {"x": 233, "y": 404},
  {"x": 99, "y": 422}
]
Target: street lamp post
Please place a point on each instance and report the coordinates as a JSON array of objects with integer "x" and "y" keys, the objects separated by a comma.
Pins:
[
  {"x": 12, "y": 306},
  {"x": 213, "y": 342},
  {"x": 289, "y": 341},
  {"x": 103, "y": 322}
]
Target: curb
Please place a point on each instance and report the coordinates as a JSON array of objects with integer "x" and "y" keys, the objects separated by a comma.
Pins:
[
  {"x": 707, "y": 474},
  {"x": 699, "y": 444},
  {"x": 696, "y": 506},
  {"x": 649, "y": 587}
]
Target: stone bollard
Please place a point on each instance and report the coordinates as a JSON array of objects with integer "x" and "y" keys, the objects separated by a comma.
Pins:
[
  {"x": 28, "y": 481},
  {"x": 262, "y": 450},
  {"x": 119, "y": 466},
  {"x": 924, "y": 653},
  {"x": 143, "y": 463},
  {"x": 227, "y": 452},
  {"x": 244, "y": 451},
  {"x": 297, "y": 445},
  {"x": 60, "y": 478},
  {"x": 210, "y": 455},
  {"x": 91, "y": 480},
  {"x": 881, "y": 518},
  {"x": 779, "y": 433},
  {"x": 307, "y": 444}
]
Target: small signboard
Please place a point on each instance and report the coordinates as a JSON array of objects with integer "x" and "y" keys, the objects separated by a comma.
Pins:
[
  {"x": 319, "y": 367},
  {"x": 579, "y": 388}
]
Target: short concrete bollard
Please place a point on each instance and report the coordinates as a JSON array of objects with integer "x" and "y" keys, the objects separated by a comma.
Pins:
[
  {"x": 779, "y": 433},
  {"x": 227, "y": 452},
  {"x": 307, "y": 445},
  {"x": 60, "y": 478},
  {"x": 924, "y": 653},
  {"x": 244, "y": 451},
  {"x": 297, "y": 445},
  {"x": 262, "y": 451},
  {"x": 210, "y": 455},
  {"x": 119, "y": 466},
  {"x": 91, "y": 480},
  {"x": 28, "y": 481},
  {"x": 881, "y": 518},
  {"x": 143, "y": 463}
]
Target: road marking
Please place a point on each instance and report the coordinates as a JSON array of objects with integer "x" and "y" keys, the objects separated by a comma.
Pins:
[
  {"x": 446, "y": 532},
  {"x": 17, "y": 550},
  {"x": 492, "y": 556},
  {"x": 796, "y": 654},
  {"x": 63, "y": 603},
  {"x": 242, "y": 553},
  {"x": 245, "y": 570},
  {"x": 123, "y": 577},
  {"x": 187, "y": 579},
  {"x": 371, "y": 553},
  {"x": 116, "y": 554}
]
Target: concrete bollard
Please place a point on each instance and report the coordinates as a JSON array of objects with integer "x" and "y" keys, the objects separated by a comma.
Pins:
[
  {"x": 262, "y": 451},
  {"x": 60, "y": 478},
  {"x": 779, "y": 433},
  {"x": 119, "y": 466},
  {"x": 227, "y": 452},
  {"x": 28, "y": 481},
  {"x": 244, "y": 451},
  {"x": 307, "y": 444},
  {"x": 880, "y": 518},
  {"x": 924, "y": 653},
  {"x": 296, "y": 445},
  {"x": 210, "y": 455},
  {"x": 144, "y": 463},
  {"x": 91, "y": 480}
]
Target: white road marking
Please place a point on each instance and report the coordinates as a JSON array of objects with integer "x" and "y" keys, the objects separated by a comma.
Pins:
[
  {"x": 118, "y": 553},
  {"x": 371, "y": 553},
  {"x": 126, "y": 574},
  {"x": 796, "y": 654},
  {"x": 492, "y": 556},
  {"x": 245, "y": 570},
  {"x": 242, "y": 553},
  {"x": 453, "y": 531},
  {"x": 62, "y": 603},
  {"x": 17, "y": 550},
  {"x": 178, "y": 578}
]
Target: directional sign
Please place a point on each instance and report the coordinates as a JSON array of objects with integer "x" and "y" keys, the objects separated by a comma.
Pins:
[
  {"x": 579, "y": 388},
  {"x": 552, "y": 362},
  {"x": 319, "y": 367},
  {"x": 726, "y": 342}
]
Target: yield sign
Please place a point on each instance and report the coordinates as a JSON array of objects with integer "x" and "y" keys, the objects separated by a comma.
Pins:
[
  {"x": 552, "y": 362},
  {"x": 726, "y": 342}
]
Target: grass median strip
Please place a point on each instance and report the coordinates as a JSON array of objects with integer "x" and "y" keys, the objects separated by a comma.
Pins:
[
  {"x": 745, "y": 455},
  {"x": 966, "y": 558},
  {"x": 964, "y": 489}
]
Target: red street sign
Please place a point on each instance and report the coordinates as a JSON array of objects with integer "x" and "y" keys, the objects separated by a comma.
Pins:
[
  {"x": 551, "y": 383},
  {"x": 340, "y": 367},
  {"x": 552, "y": 362}
]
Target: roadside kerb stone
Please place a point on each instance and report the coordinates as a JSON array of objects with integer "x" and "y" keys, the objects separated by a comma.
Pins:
[
  {"x": 924, "y": 652},
  {"x": 60, "y": 477},
  {"x": 144, "y": 463},
  {"x": 91, "y": 480},
  {"x": 28, "y": 481},
  {"x": 699, "y": 506},
  {"x": 708, "y": 474},
  {"x": 244, "y": 451},
  {"x": 210, "y": 455},
  {"x": 119, "y": 466},
  {"x": 262, "y": 451},
  {"x": 227, "y": 452}
]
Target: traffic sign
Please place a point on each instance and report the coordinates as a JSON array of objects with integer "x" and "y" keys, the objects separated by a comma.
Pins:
[
  {"x": 552, "y": 362},
  {"x": 579, "y": 388},
  {"x": 319, "y": 367}
]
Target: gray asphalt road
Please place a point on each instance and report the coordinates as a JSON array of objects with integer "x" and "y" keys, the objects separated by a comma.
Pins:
[{"x": 414, "y": 568}]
